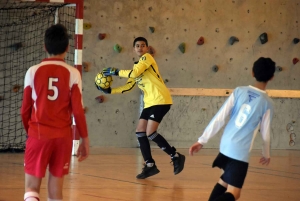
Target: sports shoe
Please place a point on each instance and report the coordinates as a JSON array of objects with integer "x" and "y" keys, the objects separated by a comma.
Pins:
[
  {"x": 148, "y": 172},
  {"x": 178, "y": 163}
]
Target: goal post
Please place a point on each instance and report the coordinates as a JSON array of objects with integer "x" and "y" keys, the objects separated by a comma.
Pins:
[{"x": 22, "y": 27}]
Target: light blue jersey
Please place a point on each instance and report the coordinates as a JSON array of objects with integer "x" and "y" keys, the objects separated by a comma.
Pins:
[{"x": 250, "y": 109}]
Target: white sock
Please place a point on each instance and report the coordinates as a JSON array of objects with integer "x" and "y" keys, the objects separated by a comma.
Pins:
[
  {"x": 53, "y": 200},
  {"x": 31, "y": 196},
  {"x": 149, "y": 164},
  {"x": 176, "y": 155}
]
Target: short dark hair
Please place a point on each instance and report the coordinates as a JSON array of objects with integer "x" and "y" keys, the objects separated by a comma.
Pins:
[
  {"x": 140, "y": 39},
  {"x": 56, "y": 39},
  {"x": 263, "y": 69}
]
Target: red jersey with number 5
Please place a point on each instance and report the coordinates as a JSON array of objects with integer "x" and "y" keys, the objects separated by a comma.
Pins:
[{"x": 52, "y": 94}]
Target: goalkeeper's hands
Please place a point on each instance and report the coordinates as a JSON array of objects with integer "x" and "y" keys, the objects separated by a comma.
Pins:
[
  {"x": 106, "y": 91},
  {"x": 110, "y": 71}
]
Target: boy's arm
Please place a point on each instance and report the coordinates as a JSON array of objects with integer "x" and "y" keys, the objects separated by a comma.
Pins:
[
  {"x": 144, "y": 63},
  {"x": 78, "y": 112},
  {"x": 265, "y": 132},
  {"x": 27, "y": 100},
  {"x": 218, "y": 121},
  {"x": 125, "y": 88},
  {"x": 77, "y": 105},
  {"x": 26, "y": 107}
]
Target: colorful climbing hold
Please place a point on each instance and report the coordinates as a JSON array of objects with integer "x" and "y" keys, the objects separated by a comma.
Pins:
[
  {"x": 233, "y": 39},
  {"x": 87, "y": 25},
  {"x": 279, "y": 68},
  {"x": 152, "y": 29},
  {"x": 86, "y": 66},
  {"x": 100, "y": 99},
  {"x": 296, "y": 40},
  {"x": 263, "y": 38},
  {"x": 151, "y": 50},
  {"x": 295, "y": 60},
  {"x": 215, "y": 68},
  {"x": 16, "y": 46},
  {"x": 182, "y": 47},
  {"x": 16, "y": 88},
  {"x": 101, "y": 36},
  {"x": 117, "y": 48},
  {"x": 200, "y": 41}
]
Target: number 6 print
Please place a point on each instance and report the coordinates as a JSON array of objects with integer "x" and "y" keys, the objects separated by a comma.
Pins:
[{"x": 243, "y": 115}]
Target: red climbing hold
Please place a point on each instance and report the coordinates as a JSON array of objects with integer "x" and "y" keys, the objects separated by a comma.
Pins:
[
  {"x": 151, "y": 50},
  {"x": 200, "y": 41},
  {"x": 295, "y": 60},
  {"x": 101, "y": 36},
  {"x": 100, "y": 99}
]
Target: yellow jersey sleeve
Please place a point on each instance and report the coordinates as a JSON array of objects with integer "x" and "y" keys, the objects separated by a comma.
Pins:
[
  {"x": 145, "y": 74},
  {"x": 144, "y": 63},
  {"x": 122, "y": 89}
]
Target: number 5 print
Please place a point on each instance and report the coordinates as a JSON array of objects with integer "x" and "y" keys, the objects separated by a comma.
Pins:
[{"x": 53, "y": 88}]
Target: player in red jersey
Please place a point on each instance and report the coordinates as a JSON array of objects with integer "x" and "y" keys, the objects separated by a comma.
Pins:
[{"x": 52, "y": 94}]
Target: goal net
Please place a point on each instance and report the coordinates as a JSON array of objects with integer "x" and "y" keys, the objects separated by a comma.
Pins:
[{"x": 22, "y": 28}]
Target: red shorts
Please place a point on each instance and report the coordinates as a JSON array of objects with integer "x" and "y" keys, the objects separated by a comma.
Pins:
[{"x": 40, "y": 153}]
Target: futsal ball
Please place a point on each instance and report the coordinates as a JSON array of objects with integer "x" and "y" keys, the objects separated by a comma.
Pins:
[{"x": 103, "y": 81}]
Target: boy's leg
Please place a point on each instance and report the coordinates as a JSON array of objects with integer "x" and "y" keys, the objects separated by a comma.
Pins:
[
  {"x": 236, "y": 192},
  {"x": 152, "y": 127},
  {"x": 177, "y": 158},
  {"x": 36, "y": 158},
  {"x": 234, "y": 175},
  {"x": 219, "y": 189},
  {"x": 32, "y": 188},
  {"x": 143, "y": 140},
  {"x": 232, "y": 194},
  {"x": 55, "y": 187},
  {"x": 59, "y": 165},
  {"x": 150, "y": 168}
]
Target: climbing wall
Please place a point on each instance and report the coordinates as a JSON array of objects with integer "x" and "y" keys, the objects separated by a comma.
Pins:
[{"x": 197, "y": 44}]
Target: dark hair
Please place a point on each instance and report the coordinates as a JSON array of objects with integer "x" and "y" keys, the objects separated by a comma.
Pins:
[
  {"x": 140, "y": 39},
  {"x": 263, "y": 69},
  {"x": 56, "y": 39}
]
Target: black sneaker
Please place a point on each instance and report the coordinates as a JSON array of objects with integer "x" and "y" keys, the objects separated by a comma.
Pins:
[
  {"x": 148, "y": 172},
  {"x": 178, "y": 163}
]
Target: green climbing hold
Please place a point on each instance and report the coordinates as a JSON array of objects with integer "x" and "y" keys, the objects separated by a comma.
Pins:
[
  {"x": 117, "y": 48},
  {"x": 182, "y": 47},
  {"x": 152, "y": 29}
]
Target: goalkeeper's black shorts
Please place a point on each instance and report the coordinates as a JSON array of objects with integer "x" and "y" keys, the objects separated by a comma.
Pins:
[{"x": 155, "y": 113}]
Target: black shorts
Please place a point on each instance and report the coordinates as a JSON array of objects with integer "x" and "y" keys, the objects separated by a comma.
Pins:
[
  {"x": 235, "y": 171},
  {"x": 155, "y": 113}
]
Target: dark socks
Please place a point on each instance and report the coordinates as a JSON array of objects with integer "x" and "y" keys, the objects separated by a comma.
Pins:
[
  {"x": 145, "y": 147},
  {"x": 217, "y": 191},
  {"x": 226, "y": 197},
  {"x": 162, "y": 143}
]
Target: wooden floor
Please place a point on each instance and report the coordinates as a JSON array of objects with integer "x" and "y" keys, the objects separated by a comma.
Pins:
[{"x": 109, "y": 174}]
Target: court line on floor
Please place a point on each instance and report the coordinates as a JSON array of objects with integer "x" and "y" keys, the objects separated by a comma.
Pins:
[
  {"x": 131, "y": 182},
  {"x": 268, "y": 173}
]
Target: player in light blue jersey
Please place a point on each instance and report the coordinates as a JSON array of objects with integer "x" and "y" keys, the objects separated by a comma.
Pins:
[{"x": 250, "y": 109}]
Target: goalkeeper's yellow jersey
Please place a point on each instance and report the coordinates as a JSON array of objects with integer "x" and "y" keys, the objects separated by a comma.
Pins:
[{"x": 146, "y": 75}]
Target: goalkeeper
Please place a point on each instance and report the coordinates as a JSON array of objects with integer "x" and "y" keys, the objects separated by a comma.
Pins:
[{"x": 157, "y": 102}]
